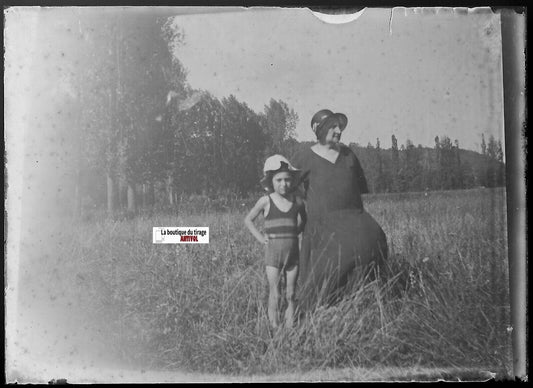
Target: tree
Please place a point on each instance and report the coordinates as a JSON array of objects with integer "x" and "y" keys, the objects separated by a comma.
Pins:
[
  {"x": 280, "y": 124},
  {"x": 411, "y": 177},
  {"x": 381, "y": 178},
  {"x": 447, "y": 162},
  {"x": 177, "y": 91},
  {"x": 143, "y": 62},
  {"x": 115, "y": 96},
  {"x": 501, "y": 164},
  {"x": 436, "y": 172},
  {"x": 122, "y": 95},
  {"x": 370, "y": 166},
  {"x": 395, "y": 165},
  {"x": 459, "y": 172},
  {"x": 494, "y": 169},
  {"x": 425, "y": 162},
  {"x": 492, "y": 148},
  {"x": 243, "y": 144},
  {"x": 95, "y": 95},
  {"x": 198, "y": 157},
  {"x": 483, "y": 145}
]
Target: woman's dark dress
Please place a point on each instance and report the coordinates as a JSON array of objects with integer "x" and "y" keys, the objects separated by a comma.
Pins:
[{"x": 339, "y": 234}]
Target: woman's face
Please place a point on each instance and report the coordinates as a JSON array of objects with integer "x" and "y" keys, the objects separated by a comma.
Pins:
[{"x": 333, "y": 136}]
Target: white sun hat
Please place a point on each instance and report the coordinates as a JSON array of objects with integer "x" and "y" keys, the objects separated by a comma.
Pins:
[{"x": 276, "y": 162}]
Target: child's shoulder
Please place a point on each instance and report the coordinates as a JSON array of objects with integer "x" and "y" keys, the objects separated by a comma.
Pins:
[{"x": 265, "y": 199}]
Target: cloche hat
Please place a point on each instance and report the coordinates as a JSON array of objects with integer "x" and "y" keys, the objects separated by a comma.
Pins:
[{"x": 322, "y": 115}]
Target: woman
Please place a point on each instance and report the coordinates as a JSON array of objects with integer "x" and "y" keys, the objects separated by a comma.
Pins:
[{"x": 339, "y": 235}]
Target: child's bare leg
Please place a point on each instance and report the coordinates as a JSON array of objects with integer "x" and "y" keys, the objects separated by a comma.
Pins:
[
  {"x": 273, "y": 297},
  {"x": 292, "y": 277}
]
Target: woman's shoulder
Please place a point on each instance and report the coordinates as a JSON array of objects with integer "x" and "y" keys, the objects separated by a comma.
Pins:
[
  {"x": 348, "y": 156},
  {"x": 300, "y": 157},
  {"x": 347, "y": 152}
]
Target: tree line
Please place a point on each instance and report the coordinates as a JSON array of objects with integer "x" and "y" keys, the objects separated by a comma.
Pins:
[
  {"x": 444, "y": 167},
  {"x": 137, "y": 134},
  {"x": 142, "y": 136}
]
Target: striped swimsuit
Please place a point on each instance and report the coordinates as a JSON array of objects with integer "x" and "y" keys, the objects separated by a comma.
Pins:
[{"x": 282, "y": 249}]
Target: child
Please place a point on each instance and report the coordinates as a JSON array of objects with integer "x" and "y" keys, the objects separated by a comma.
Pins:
[{"x": 285, "y": 219}]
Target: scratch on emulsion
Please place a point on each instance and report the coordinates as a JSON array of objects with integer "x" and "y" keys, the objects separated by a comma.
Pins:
[{"x": 390, "y": 20}]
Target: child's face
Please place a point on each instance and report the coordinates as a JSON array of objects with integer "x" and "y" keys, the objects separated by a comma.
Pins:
[{"x": 282, "y": 182}]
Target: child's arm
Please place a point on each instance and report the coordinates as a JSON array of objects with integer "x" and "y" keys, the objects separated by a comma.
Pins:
[
  {"x": 258, "y": 208},
  {"x": 302, "y": 215}
]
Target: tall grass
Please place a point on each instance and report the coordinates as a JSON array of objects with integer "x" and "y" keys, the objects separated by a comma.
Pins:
[{"x": 203, "y": 307}]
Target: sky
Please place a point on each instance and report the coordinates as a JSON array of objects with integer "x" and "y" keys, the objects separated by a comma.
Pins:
[{"x": 415, "y": 73}]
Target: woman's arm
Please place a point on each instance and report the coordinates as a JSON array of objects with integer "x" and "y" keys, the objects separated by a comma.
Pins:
[
  {"x": 302, "y": 183},
  {"x": 258, "y": 208},
  {"x": 359, "y": 175},
  {"x": 302, "y": 216}
]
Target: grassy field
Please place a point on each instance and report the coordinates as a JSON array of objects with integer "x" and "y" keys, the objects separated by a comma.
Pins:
[{"x": 202, "y": 308}]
